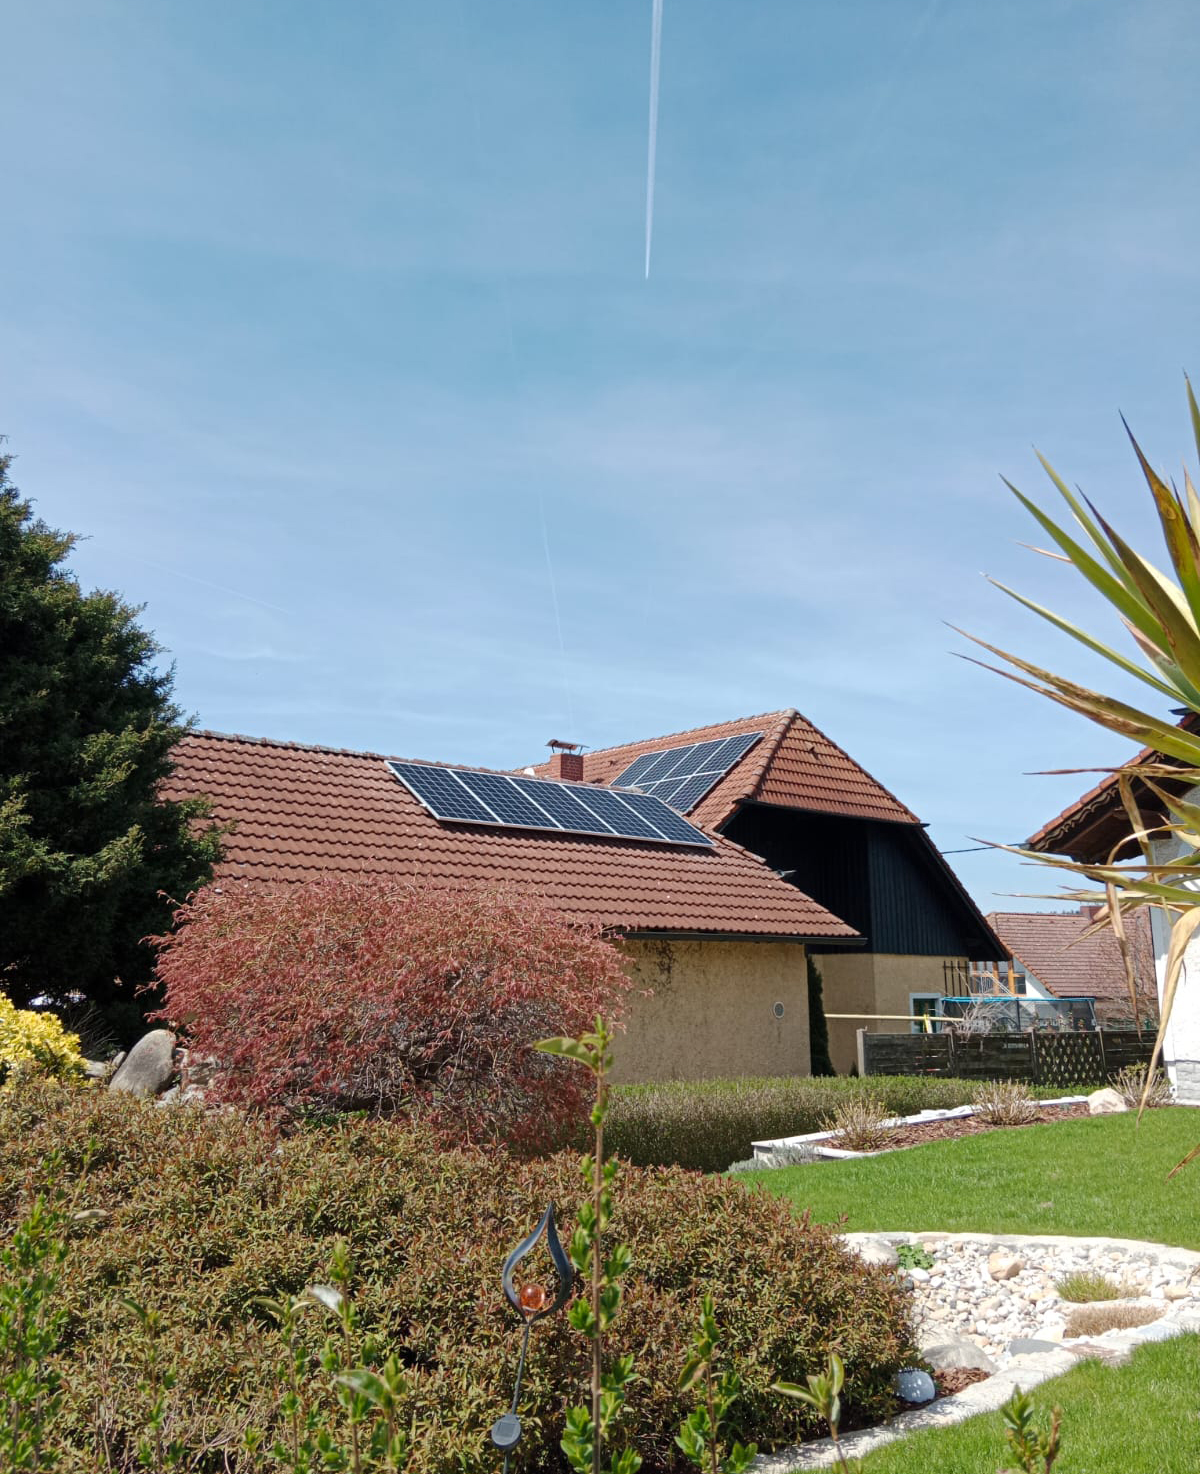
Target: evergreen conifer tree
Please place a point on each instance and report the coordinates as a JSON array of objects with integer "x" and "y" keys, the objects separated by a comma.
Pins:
[
  {"x": 818, "y": 1029},
  {"x": 91, "y": 861}
]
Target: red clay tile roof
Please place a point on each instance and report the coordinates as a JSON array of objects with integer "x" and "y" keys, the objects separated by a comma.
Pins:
[
  {"x": 1089, "y": 828},
  {"x": 795, "y": 765},
  {"x": 302, "y": 811},
  {"x": 1047, "y": 943}
]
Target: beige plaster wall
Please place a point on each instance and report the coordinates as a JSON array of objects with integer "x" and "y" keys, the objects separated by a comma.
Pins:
[
  {"x": 872, "y": 982},
  {"x": 711, "y": 1011},
  {"x": 847, "y": 986}
]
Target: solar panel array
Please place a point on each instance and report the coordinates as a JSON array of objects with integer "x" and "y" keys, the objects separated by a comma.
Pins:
[
  {"x": 681, "y": 776},
  {"x": 463, "y": 796}
]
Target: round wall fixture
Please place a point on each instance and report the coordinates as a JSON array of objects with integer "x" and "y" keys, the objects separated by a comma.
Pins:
[{"x": 778, "y": 1010}]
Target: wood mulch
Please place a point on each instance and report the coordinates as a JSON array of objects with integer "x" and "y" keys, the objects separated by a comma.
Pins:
[
  {"x": 957, "y": 1379},
  {"x": 902, "y": 1136}
]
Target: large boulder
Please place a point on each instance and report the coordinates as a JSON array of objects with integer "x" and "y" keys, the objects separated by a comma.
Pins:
[
  {"x": 1105, "y": 1102},
  {"x": 149, "y": 1065}
]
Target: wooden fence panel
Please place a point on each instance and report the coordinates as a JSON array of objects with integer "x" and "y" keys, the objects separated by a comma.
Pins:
[
  {"x": 907, "y": 1054},
  {"x": 995, "y": 1057},
  {"x": 1122, "y": 1047},
  {"x": 1068, "y": 1060}
]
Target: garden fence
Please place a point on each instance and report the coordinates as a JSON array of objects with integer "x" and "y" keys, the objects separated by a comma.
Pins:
[{"x": 1040, "y": 1058}]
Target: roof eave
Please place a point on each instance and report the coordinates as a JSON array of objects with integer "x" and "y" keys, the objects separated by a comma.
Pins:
[{"x": 808, "y": 938}]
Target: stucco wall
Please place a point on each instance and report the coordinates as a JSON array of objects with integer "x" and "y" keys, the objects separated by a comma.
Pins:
[
  {"x": 711, "y": 1011},
  {"x": 847, "y": 986},
  {"x": 1181, "y": 1047},
  {"x": 873, "y": 983}
]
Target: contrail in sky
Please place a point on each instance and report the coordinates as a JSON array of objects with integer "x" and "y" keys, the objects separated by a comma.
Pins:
[{"x": 652, "y": 146}]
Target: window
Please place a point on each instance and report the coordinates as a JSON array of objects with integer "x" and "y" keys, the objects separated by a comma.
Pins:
[{"x": 922, "y": 1006}]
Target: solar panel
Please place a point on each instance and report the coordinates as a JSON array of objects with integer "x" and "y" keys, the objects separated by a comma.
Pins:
[
  {"x": 681, "y": 776},
  {"x": 464, "y": 796}
]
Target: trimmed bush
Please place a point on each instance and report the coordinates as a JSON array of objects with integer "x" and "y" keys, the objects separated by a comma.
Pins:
[
  {"x": 367, "y": 993},
  {"x": 709, "y": 1124},
  {"x": 205, "y": 1213},
  {"x": 37, "y": 1043}
]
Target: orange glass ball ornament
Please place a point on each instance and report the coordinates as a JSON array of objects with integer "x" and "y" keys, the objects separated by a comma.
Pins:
[{"x": 532, "y": 1298}]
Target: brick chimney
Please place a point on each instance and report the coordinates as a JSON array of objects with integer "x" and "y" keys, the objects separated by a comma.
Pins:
[
  {"x": 566, "y": 761},
  {"x": 567, "y": 766}
]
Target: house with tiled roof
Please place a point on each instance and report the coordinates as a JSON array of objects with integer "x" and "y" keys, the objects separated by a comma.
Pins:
[
  {"x": 814, "y": 815},
  {"x": 711, "y": 931},
  {"x": 1096, "y": 829},
  {"x": 1059, "y": 954}
]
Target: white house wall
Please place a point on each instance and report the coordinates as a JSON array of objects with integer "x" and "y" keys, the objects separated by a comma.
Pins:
[{"x": 1181, "y": 1046}]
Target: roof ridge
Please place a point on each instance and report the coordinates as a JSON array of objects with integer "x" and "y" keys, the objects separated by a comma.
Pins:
[
  {"x": 381, "y": 757},
  {"x": 761, "y": 716},
  {"x": 287, "y": 742},
  {"x": 916, "y": 818}
]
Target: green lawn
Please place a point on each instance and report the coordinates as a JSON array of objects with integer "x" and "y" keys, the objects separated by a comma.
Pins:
[
  {"x": 1143, "y": 1418},
  {"x": 1105, "y": 1175}
]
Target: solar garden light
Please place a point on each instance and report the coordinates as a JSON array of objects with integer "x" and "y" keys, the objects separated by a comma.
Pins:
[{"x": 532, "y": 1303}]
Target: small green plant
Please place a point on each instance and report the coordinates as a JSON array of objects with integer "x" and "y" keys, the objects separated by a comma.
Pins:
[
  {"x": 914, "y": 1256},
  {"x": 1036, "y": 1449},
  {"x": 592, "y": 1314},
  {"x": 860, "y": 1124},
  {"x": 30, "y": 1327},
  {"x": 823, "y": 1394},
  {"x": 1085, "y": 1286},
  {"x": 700, "y": 1435},
  {"x": 155, "y": 1451}
]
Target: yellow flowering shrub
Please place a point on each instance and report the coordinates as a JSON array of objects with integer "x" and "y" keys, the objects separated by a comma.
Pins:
[{"x": 35, "y": 1043}]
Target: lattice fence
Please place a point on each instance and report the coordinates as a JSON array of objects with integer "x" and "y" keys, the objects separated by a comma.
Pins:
[{"x": 1067, "y": 1060}]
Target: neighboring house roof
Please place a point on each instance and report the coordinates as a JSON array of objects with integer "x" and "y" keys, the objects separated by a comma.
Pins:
[
  {"x": 1048, "y": 945},
  {"x": 795, "y": 765},
  {"x": 1092, "y": 827},
  {"x": 299, "y": 812}
]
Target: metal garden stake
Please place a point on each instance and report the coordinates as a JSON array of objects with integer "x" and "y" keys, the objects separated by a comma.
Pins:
[{"x": 532, "y": 1303}]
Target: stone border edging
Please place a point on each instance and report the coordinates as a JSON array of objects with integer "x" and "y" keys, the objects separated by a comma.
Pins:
[
  {"x": 813, "y": 1140},
  {"x": 1026, "y": 1371}
]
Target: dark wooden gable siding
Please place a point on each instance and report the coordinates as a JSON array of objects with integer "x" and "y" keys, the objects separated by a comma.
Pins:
[{"x": 882, "y": 878}]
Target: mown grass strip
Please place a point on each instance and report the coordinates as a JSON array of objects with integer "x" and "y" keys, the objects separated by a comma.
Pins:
[
  {"x": 1136, "y": 1419},
  {"x": 1104, "y": 1175}
]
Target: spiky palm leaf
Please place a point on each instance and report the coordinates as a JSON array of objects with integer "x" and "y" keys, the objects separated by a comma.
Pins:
[{"x": 1161, "y": 611}]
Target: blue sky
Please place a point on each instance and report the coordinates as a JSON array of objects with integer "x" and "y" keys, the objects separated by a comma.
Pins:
[{"x": 327, "y": 326}]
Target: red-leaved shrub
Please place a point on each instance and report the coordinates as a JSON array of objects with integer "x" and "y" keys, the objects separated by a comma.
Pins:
[{"x": 370, "y": 993}]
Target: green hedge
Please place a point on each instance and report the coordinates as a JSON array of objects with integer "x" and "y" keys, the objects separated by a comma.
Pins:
[
  {"x": 200, "y": 1215},
  {"x": 709, "y": 1124}
]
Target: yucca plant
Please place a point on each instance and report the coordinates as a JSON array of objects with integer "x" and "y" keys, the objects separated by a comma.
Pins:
[{"x": 1161, "y": 612}]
